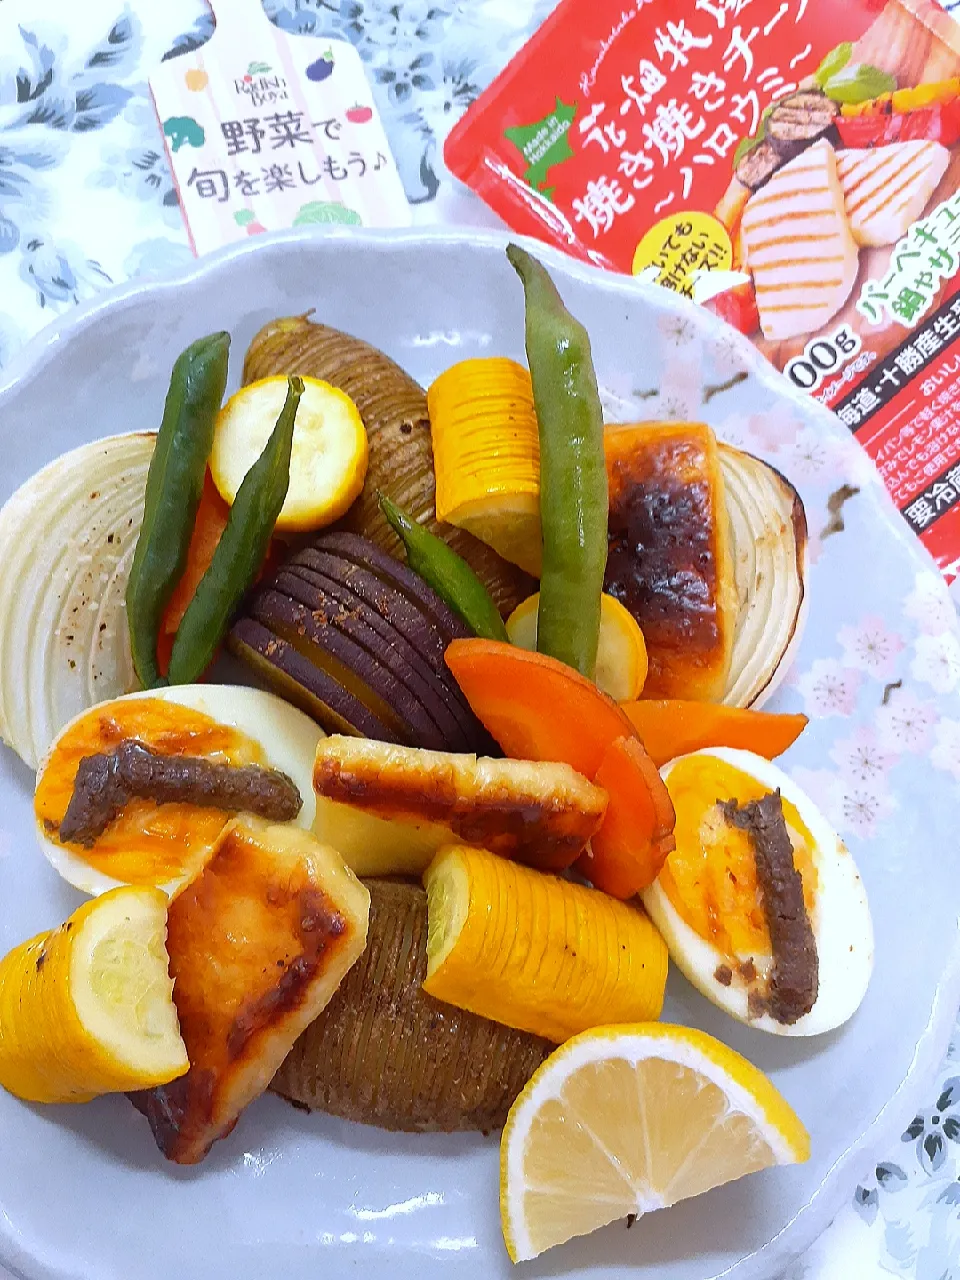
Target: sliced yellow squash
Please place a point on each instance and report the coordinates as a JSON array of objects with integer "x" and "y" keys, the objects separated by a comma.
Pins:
[
  {"x": 536, "y": 952},
  {"x": 329, "y": 460},
  {"x": 486, "y": 454},
  {"x": 622, "y": 652},
  {"x": 88, "y": 1008}
]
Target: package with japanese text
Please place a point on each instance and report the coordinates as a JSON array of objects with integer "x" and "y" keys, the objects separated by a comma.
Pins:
[{"x": 794, "y": 164}]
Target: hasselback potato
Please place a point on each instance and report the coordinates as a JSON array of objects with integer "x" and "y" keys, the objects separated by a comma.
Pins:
[
  {"x": 384, "y": 1052},
  {"x": 394, "y": 411}
]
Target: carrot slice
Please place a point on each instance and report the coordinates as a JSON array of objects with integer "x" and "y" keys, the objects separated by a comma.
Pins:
[
  {"x": 536, "y": 707},
  {"x": 674, "y": 727},
  {"x": 636, "y": 835},
  {"x": 212, "y": 515},
  {"x": 164, "y": 650},
  {"x": 540, "y": 709}
]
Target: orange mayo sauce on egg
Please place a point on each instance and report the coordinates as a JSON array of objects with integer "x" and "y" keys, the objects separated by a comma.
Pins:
[
  {"x": 711, "y": 876},
  {"x": 147, "y": 843}
]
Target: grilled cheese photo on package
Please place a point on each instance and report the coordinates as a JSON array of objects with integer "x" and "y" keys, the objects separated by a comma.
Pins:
[
  {"x": 885, "y": 189},
  {"x": 798, "y": 243}
]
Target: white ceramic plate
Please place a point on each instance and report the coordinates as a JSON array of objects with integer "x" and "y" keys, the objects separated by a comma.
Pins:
[{"x": 84, "y": 1192}]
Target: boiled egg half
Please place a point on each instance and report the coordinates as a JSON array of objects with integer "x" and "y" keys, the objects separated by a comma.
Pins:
[
  {"x": 166, "y": 844},
  {"x": 709, "y": 902}
]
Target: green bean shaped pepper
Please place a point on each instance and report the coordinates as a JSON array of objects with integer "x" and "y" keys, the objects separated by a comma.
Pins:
[
  {"x": 449, "y": 574},
  {"x": 174, "y": 486},
  {"x": 573, "y": 472},
  {"x": 240, "y": 551}
]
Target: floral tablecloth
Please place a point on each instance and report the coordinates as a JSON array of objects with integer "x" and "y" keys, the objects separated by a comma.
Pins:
[{"x": 86, "y": 200}]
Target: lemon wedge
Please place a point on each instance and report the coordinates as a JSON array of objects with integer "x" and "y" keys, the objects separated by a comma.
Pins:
[
  {"x": 628, "y": 1119},
  {"x": 88, "y": 1008},
  {"x": 328, "y": 464}
]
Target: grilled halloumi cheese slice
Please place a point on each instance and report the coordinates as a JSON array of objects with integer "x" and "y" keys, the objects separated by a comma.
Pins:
[
  {"x": 669, "y": 558},
  {"x": 258, "y": 944},
  {"x": 885, "y": 189},
  {"x": 388, "y": 809},
  {"x": 799, "y": 246}
]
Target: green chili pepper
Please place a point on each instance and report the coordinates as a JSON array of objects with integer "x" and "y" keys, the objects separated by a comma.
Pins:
[
  {"x": 174, "y": 486},
  {"x": 240, "y": 551},
  {"x": 449, "y": 574},
  {"x": 573, "y": 472}
]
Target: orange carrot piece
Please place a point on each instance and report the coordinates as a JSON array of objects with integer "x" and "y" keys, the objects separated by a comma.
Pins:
[
  {"x": 164, "y": 650},
  {"x": 212, "y": 515},
  {"x": 536, "y": 707},
  {"x": 541, "y": 709},
  {"x": 674, "y": 727},
  {"x": 211, "y": 521},
  {"x": 636, "y": 834}
]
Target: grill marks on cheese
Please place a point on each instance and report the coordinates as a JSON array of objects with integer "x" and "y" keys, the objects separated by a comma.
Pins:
[
  {"x": 887, "y": 188},
  {"x": 799, "y": 246}
]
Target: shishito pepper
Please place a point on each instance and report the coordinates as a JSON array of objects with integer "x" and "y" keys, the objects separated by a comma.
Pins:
[
  {"x": 449, "y": 574},
  {"x": 240, "y": 551},
  {"x": 174, "y": 486},
  {"x": 573, "y": 473}
]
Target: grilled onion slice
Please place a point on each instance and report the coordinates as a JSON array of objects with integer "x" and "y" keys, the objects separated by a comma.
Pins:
[
  {"x": 768, "y": 539},
  {"x": 67, "y": 538}
]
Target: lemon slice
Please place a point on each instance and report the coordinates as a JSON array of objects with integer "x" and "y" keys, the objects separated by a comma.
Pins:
[
  {"x": 629, "y": 1119},
  {"x": 328, "y": 464},
  {"x": 621, "y": 652},
  {"x": 88, "y": 1008}
]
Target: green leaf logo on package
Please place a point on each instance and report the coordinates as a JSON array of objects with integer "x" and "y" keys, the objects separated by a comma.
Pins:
[{"x": 544, "y": 144}]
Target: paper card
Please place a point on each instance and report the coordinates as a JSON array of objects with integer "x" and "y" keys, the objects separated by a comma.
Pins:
[{"x": 266, "y": 131}]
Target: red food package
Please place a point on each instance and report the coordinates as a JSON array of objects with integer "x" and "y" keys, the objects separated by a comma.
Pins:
[
  {"x": 616, "y": 117},
  {"x": 807, "y": 149}
]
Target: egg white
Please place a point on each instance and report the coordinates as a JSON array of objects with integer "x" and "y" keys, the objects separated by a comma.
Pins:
[
  {"x": 287, "y": 737},
  {"x": 841, "y": 921}
]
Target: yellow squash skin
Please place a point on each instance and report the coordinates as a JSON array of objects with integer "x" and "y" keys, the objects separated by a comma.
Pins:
[
  {"x": 394, "y": 411},
  {"x": 47, "y": 1053},
  {"x": 486, "y": 454},
  {"x": 536, "y": 952}
]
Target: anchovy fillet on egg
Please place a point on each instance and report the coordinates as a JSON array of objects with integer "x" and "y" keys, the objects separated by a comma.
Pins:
[{"x": 761, "y": 904}]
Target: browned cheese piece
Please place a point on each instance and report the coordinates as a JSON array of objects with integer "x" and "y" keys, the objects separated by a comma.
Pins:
[
  {"x": 669, "y": 558},
  {"x": 539, "y": 814},
  {"x": 794, "y": 980},
  {"x": 394, "y": 411},
  {"x": 258, "y": 944},
  {"x": 385, "y": 1053}
]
